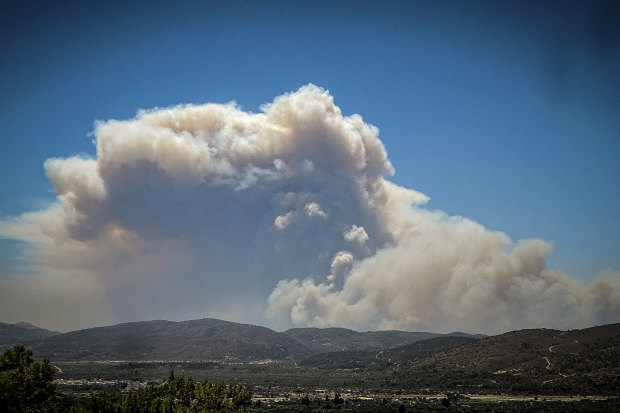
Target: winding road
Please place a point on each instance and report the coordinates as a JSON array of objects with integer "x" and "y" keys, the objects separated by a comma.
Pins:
[{"x": 548, "y": 367}]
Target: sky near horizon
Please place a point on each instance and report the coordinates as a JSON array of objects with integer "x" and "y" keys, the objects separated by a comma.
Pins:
[{"x": 506, "y": 114}]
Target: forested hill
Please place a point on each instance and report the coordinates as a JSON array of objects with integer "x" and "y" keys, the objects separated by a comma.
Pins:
[
  {"x": 530, "y": 361},
  {"x": 322, "y": 340},
  {"x": 205, "y": 339},
  {"x": 20, "y": 333},
  {"x": 208, "y": 339}
]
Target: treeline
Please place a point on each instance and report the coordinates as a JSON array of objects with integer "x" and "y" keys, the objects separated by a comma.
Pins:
[
  {"x": 177, "y": 394},
  {"x": 26, "y": 386}
]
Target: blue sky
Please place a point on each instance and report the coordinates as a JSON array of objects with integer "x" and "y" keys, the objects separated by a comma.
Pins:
[{"x": 503, "y": 112}]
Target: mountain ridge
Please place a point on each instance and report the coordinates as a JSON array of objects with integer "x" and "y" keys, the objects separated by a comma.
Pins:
[
  {"x": 209, "y": 339},
  {"x": 22, "y": 332},
  {"x": 532, "y": 361}
]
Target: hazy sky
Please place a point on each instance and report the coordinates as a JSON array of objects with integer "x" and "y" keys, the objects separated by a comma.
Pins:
[{"x": 504, "y": 113}]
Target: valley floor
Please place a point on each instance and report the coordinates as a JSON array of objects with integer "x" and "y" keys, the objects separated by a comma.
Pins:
[{"x": 283, "y": 386}]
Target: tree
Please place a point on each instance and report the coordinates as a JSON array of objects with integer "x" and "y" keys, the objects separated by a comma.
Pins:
[
  {"x": 306, "y": 400},
  {"x": 24, "y": 384},
  {"x": 176, "y": 395}
]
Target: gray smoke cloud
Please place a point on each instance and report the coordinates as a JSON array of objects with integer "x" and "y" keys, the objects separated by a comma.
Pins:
[{"x": 284, "y": 217}]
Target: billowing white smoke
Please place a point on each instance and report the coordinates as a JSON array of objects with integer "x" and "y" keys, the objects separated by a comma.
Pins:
[{"x": 211, "y": 211}]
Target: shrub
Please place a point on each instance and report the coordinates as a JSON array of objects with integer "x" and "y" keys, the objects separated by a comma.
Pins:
[
  {"x": 24, "y": 384},
  {"x": 177, "y": 394}
]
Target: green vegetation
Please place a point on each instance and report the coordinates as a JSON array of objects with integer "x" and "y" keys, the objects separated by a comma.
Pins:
[
  {"x": 177, "y": 394},
  {"x": 24, "y": 384}
]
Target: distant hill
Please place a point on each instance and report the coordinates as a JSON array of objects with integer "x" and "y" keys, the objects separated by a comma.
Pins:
[
  {"x": 209, "y": 339},
  {"x": 206, "y": 339},
  {"x": 22, "y": 333},
  {"x": 322, "y": 340},
  {"x": 29, "y": 326},
  {"x": 380, "y": 359}
]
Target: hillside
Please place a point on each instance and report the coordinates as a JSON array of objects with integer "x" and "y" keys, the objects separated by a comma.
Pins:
[
  {"x": 321, "y": 340},
  {"x": 22, "y": 333},
  {"x": 534, "y": 361},
  {"x": 539, "y": 360},
  {"x": 206, "y": 339},
  {"x": 210, "y": 339},
  {"x": 379, "y": 359}
]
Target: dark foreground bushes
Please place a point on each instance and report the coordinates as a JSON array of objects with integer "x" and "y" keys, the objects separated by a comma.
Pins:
[
  {"x": 26, "y": 386},
  {"x": 177, "y": 394}
]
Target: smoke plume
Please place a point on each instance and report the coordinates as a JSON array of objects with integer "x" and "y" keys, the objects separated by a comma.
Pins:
[{"x": 208, "y": 210}]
